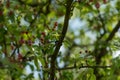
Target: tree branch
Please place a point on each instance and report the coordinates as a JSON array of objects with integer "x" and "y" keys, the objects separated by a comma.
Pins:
[
  {"x": 103, "y": 49},
  {"x": 73, "y": 67},
  {"x": 113, "y": 32},
  {"x": 59, "y": 43}
]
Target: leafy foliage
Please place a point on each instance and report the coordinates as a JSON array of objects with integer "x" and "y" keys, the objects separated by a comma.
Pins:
[{"x": 36, "y": 45}]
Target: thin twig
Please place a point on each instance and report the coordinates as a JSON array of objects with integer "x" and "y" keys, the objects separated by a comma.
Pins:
[
  {"x": 74, "y": 67},
  {"x": 113, "y": 32},
  {"x": 59, "y": 43}
]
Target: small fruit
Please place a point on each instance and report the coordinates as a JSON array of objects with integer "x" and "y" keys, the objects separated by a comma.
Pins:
[
  {"x": 20, "y": 57},
  {"x": 97, "y": 5},
  {"x": 55, "y": 24},
  {"x": 42, "y": 40},
  {"x": 43, "y": 33},
  {"x": 29, "y": 42},
  {"x": 21, "y": 41},
  {"x": 90, "y": 0},
  {"x": 104, "y": 1}
]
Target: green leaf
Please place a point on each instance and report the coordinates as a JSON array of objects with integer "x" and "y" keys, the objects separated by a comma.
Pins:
[
  {"x": 92, "y": 77},
  {"x": 42, "y": 61},
  {"x": 36, "y": 63}
]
